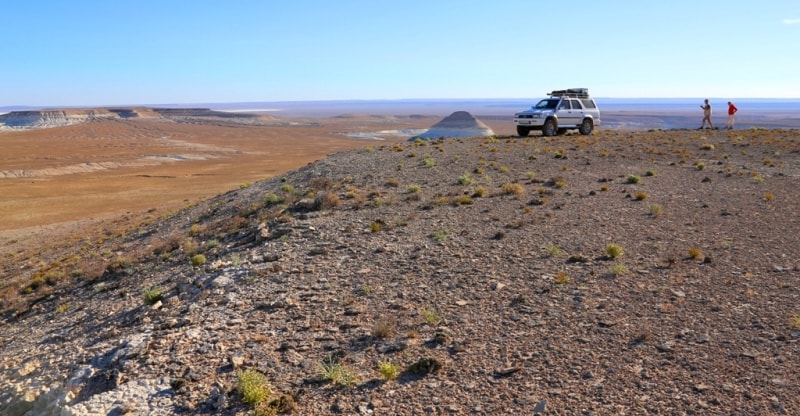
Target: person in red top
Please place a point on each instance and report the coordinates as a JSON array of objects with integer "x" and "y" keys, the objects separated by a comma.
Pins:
[{"x": 731, "y": 111}]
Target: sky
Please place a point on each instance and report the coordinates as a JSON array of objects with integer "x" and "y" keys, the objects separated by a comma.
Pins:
[{"x": 96, "y": 53}]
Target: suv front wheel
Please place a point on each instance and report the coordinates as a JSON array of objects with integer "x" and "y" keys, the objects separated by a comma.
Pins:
[
  {"x": 586, "y": 127},
  {"x": 549, "y": 128},
  {"x": 523, "y": 131}
]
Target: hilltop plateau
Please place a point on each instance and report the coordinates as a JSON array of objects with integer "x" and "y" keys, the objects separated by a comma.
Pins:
[{"x": 626, "y": 272}]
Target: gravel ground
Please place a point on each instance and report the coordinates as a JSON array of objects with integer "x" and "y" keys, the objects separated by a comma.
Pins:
[{"x": 618, "y": 273}]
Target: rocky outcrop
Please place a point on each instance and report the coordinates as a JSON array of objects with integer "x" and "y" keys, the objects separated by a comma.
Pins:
[
  {"x": 51, "y": 118},
  {"x": 458, "y": 124},
  {"x": 37, "y": 119}
]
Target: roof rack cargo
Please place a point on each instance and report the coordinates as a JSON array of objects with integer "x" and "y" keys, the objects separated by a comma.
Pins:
[{"x": 572, "y": 92}]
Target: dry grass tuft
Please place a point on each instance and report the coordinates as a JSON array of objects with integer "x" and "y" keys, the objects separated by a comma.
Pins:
[{"x": 510, "y": 188}]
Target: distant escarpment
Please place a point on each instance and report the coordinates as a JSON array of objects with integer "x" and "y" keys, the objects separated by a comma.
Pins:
[{"x": 37, "y": 119}]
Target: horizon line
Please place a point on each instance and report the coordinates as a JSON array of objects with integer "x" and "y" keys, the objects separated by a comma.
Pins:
[{"x": 364, "y": 100}]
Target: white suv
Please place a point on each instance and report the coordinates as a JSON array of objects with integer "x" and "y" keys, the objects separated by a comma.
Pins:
[{"x": 564, "y": 110}]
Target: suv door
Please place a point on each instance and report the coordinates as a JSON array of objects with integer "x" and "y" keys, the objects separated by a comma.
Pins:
[
  {"x": 576, "y": 115},
  {"x": 564, "y": 113},
  {"x": 570, "y": 113}
]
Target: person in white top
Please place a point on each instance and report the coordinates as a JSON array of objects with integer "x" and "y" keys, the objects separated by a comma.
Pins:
[{"x": 706, "y": 115}]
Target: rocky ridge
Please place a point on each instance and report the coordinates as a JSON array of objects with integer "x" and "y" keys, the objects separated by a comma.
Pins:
[
  {"x": 481, "y": 267},
  {"x": 37, "y": 119}
]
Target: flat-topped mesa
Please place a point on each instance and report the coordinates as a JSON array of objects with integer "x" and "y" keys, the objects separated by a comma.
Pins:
[
  {"x": 458, "y": 124},
  {"x": 37, "y": 119},
  {"x": 52, "y": 118}
]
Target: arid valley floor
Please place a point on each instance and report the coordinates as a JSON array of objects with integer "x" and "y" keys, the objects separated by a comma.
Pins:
[{"x": 149, "y": 266}]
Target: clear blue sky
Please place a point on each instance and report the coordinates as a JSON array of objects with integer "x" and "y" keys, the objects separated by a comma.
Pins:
[{"x": 93, "y": 53}]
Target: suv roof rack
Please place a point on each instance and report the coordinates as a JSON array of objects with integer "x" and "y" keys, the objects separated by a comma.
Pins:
[{"x": 572, "y": 92}]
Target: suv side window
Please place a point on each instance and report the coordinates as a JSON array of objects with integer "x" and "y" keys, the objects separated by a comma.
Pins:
[
  {"x": 588, "y": 103},
  {"x": 564, "y": 105},
  {"x": 576, "y": 105}
]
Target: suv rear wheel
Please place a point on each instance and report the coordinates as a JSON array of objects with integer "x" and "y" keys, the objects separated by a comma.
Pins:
[
  {"x": 523, "y": 131},
  {"x": 586, "y": 126},
  {"x": 549, "y": 128}
]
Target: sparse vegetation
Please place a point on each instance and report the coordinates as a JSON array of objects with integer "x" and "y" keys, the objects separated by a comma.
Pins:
[
  {"x": 553, "y": 250},
  {"x": 337, "y": 373},
  {"x": 634, "y": 179},
  {"x": 510, "y": 188},
  {"x": 253, "y": 387},
  {"x": 439, "y": 235},
  {"x": 431, "y": 315},
  {"x": 618, "y": 269},
  {"x": 326, "y": 200},
  {"x": 198, "y": 260},
  {"x": 388, "y": 370},
  {"x": 695, "y": 253},
  {"x": 655, "y": 210},
  {"x": 441, "y": 280},
  {"x": 613, "y": 250},
  {"x": 383, "y": 327},
  {"x": 152, "y": 295}
]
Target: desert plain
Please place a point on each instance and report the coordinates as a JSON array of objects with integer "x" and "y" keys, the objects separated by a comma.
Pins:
[{"x": 148, "y": 266}]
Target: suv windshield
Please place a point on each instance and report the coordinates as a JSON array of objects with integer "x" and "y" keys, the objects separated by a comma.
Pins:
[{"x": 547, "y": 104}]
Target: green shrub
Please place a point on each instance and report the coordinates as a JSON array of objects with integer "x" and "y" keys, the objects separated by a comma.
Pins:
[
  {"x": 198, "y": 260},
  {"x": 553, "y": 250},
  {"x": 272, "y": 198},
  {"x": 431, "y": 315},
  {"x": 613, "y": 250},
  {"x": 388, "y": 370},
  {"x": 794, "y": 321},
  {"x": 618, "y": 269},
  {"x": 336, "y": 373},
  {"x": 253, "y": 387},
  {"x": 152, "y": 295},
  {"x": 465, "y": 179}
]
